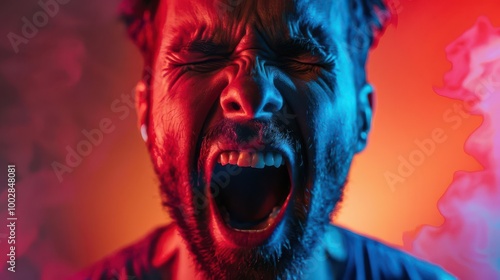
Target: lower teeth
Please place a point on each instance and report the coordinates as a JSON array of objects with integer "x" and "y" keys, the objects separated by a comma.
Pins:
[{"x": 275, "y": 212}]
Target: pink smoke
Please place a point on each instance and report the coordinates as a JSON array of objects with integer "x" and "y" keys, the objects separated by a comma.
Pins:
[
  {"x": 467, "y": 244},
  {"x": 41, "y": 100}
]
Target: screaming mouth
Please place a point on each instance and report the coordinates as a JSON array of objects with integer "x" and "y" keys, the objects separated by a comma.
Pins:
[{"x": 252, "y": 202}]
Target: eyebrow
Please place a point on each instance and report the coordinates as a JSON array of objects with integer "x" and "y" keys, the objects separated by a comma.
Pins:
[
  {"x": 288, "y": 47},
  {"x": 291, "y": 47},
  {"x": 309, "y": 38},
  {"x": 300, "y": 46},
  {"x": 205, "y": 47}
]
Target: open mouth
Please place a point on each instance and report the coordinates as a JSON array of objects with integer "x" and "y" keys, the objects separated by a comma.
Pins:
[{"x": 254, "y": 196}]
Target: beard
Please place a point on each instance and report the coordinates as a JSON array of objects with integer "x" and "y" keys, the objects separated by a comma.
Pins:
[{"x": 183, "y": 192}]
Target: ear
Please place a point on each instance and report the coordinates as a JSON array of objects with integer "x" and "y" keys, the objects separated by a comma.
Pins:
[
  {"x": 365, "y": 110},
  {"x": 142, "y": 108}
]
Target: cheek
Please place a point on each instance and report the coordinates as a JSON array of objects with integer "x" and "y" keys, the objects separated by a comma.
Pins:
[
  {"x": 325, "y": 107},
  {"x": 325, "y": 111},
  {"x": 337, "y": 111},
  {"x": 180, "y": 109},
  {"x": 333, "y": 122}
]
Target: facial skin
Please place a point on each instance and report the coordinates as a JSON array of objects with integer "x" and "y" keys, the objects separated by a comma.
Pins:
[{"x": 258, "y": 77}]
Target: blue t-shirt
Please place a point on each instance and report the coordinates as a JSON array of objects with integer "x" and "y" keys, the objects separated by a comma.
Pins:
[{"x": 358, "y": 257}]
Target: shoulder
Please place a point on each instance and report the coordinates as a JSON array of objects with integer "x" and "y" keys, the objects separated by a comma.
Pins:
[
  {"x": 131, "y": 262},
  {"x": 370, "y": 259}
]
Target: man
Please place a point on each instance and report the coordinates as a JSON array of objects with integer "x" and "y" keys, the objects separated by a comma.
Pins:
[{"x": 252, "y": 112}]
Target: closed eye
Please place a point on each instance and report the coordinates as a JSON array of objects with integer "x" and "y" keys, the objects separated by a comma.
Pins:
[
  {"x": 305, "y": 67},
  {"x": 300, "y": 67},
  {"x": 205, "y": 66}
]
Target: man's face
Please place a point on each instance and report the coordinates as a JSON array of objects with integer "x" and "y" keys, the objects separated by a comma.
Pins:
[{"x": 253, "y": 120}]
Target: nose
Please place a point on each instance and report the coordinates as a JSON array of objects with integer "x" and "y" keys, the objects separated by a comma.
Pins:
[{"x": 247, "y": 98}]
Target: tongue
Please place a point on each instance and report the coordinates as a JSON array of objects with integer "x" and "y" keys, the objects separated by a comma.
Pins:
[{"x": 251, "y": 195}]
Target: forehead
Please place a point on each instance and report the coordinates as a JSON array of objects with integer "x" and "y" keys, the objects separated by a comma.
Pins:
[{"x": 228, "y": 21}]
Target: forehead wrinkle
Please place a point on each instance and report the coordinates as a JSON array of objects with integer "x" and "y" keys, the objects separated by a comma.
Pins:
[
  {"x": 204, "y": 22},
  {"x": 201, "y": 22},
  {"x": 321, "y": 21},
  {"x": 270, "y": 19},
  {"x": 274, "y": 21},
  {"x": 281, "y": 22},
  {"x": 184, "y": 35},
  {"x": 313, "y": 34}
]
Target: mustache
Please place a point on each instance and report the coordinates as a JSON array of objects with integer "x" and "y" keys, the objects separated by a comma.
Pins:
[
  {"x": 269, "y": 133},
  {"x": 253, "y": 134}
]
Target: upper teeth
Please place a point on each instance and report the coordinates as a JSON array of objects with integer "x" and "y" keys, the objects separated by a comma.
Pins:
[{"x": 251, "y": 159}]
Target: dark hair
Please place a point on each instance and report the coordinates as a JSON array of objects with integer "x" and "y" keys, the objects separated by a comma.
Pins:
[
  {"x": 368, "y": 20},
  {"x": 138, "y": 16}
]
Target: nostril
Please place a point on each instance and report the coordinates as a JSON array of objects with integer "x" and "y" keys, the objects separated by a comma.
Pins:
[
  {"x": 235, "y": 106},
  {"x": 270, "y": 108}
]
